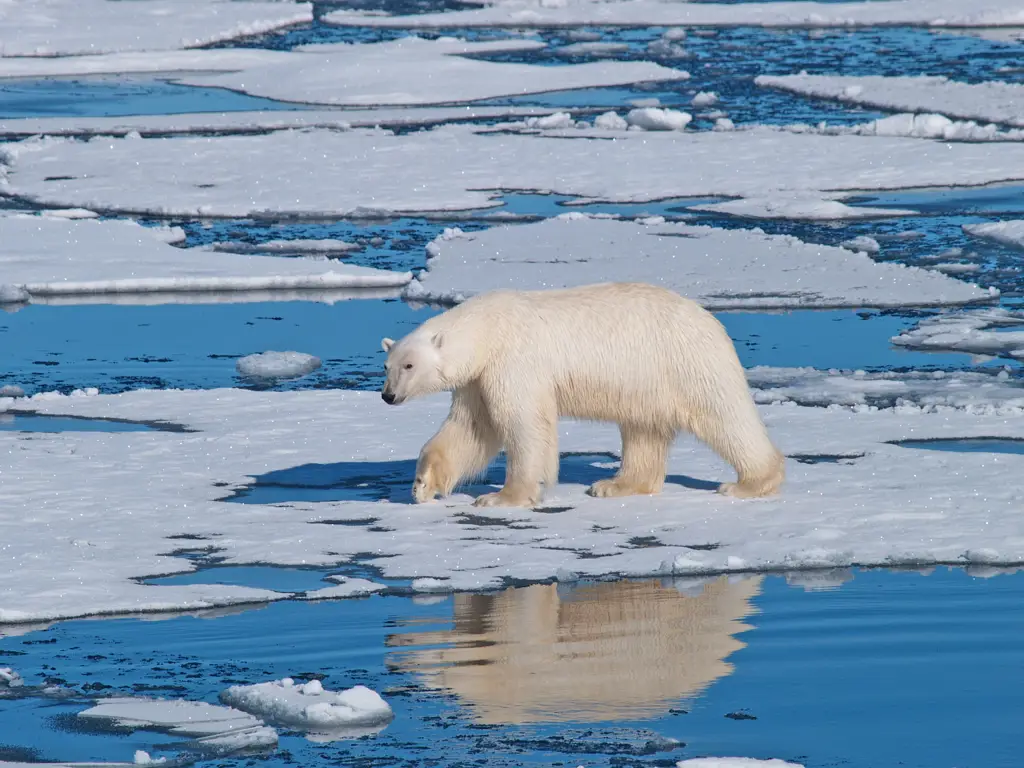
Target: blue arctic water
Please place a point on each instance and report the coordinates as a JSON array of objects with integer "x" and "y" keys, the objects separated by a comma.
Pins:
[
  {"x": 850, "y": 669},
  {"x": 855, "y": 669}
]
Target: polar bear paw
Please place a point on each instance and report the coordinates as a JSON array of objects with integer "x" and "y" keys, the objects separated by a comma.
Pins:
[{"x": 503, "y": 499}]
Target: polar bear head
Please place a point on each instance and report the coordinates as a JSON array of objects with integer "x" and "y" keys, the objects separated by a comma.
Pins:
[{"x": 413, "y": 368}]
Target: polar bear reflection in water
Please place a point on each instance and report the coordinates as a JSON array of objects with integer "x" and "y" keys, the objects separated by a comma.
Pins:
[{"x": 623, "y": 650}]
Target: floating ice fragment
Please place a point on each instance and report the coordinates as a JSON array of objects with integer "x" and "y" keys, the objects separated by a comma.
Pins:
[
  {"x": 427, "y": 584},
  {"x": 705, "y": 99},
  {"x": 656, "y": 119},
  {"x": 556, "y": 121},
  {"x": 610, "y": 121},
  {"x": 11, "y": 390},
  {"x": 310, "y": 706},
  {"x": 277, "y": 365},
  {"x": 10, "y": 679},
  {"x": 862, "y": 243}
]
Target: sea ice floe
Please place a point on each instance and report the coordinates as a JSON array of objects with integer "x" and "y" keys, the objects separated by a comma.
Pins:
[
  {"x": 980, "y": 332},
  {"x": 992, "y": 102},
  {"x": 277, "y": 365},
  {"x": 51, "y": 28},
  {"x": 1005, "y": 232},
  {"x": 44, "y": 257},
  {"x": 648, "y": 13},
  {"x": 104, "y": 504},
  {"x": 300, "y": 170},
  {"x": 407, "y": 71},
  {"x": 816, "y": 207},
  {"x": 718, "y": 267}
]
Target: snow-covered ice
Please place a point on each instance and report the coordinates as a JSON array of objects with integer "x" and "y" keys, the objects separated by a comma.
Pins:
[
  {"x": 721, "y": 268},
  {"x": 645, "y": 13},
  {"x": 277, "y": 365},
  {"x": 408, "y": 71},
  {"x": 1006, "y": 232},
  {"x": 254, "y": 122},
  {"x": 323, "y": 247},
  {"x": 66, "y": 27},
  {"x": 310, "y": 706},
  {"x": 301, "y": 172},
  {"x": 103, "y": 504},
  {"x": 970, "y": 390},
  {"x": 799, "y": 206},
  {"x": 993, "y": 102},
  {"x": 861, "y": 243},
  {"x": 216, "y": 725},
  {"x": 41, "y": 256},
  {"x": 346, "y": 587},
  {"x": 975, "y": 332},
  {"x": 735, "y": 762}
]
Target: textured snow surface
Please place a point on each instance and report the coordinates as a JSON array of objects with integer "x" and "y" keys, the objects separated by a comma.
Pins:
[
  {"x": 985, "y": 332},
  {"x": 359, "y": 171},
  {"x": 410, "y": 70},
  {"x": 252, "y": 122},
  {"x": 310, "y": 705},
  {"x": 718, "y": 267},
  {"x": 1006, "y": 232},
  {"x": 42, "y": 256},
  {"x": 973, "y": 391},
  {"x": 993, "y": 102},
  {"x": 277, "y": 365},
  {"x": 67, "y": 27},
  {"x": 104, "y": 504},
  {"x": 642, "y": 13}
]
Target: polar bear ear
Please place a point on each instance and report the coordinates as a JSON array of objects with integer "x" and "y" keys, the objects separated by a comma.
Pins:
[
  {"x": 386, "y": 344},
  {"x": 437, "y": 340}
]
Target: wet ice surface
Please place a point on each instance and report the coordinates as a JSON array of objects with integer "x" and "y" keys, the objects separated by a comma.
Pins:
[{"x": 729, "y": 666}]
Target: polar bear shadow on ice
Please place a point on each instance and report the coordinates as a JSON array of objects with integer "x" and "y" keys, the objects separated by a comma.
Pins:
[{"x": 638, "y": 355}]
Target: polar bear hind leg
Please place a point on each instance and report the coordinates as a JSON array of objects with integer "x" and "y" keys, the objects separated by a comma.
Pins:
[{"x": 644, "y": 455}]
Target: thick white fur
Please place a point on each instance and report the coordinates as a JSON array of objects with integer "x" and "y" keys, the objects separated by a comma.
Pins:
[{"x": 638, "y": 355}]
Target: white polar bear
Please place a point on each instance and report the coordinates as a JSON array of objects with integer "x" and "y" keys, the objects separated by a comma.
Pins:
[{"x": 638, "y": 355}]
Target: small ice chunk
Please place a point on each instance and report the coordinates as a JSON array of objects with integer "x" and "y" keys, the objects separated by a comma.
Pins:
[
  {"x": 142, "y": 758},
  {"x": 9, "y": 678},
  {"x": 277, "y": 365},
  {"x": 674, "y": 34},
  {"x": 610, "y": 121},
  {"x": 724, "y": 124},
  {"x": 319, "y": 247},
  {"x": 556, "y": 121},
  {"x": 12, "y": 294},
  {"x": 582, "y": 35},
  {"x": 309, "y": 705},
  {"x": 667, "y": 49},
  {"x": 655, "y": 119},
  {"x": 11, "y": 390},
  {"x": 651, "y": 101},
  {"x": 862, "y": 243},
  {"x": 705, "y": 99},
  {"x": 592, "y": 48},
  {"x": 947, "y": 269},
  {"x": 427, "y": 584}
]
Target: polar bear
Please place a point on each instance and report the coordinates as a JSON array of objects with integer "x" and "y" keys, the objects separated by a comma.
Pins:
[{"x": 635, "y": 354}]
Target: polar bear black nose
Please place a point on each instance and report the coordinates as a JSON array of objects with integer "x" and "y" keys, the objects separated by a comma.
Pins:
[{"x": 388, "y": 397}]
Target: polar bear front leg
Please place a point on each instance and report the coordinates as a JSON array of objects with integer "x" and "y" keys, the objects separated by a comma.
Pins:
[
  {"x": 529, "y": 434},
  {"x": 644, "y": 454},
  {"x": 463, "y": 447}
]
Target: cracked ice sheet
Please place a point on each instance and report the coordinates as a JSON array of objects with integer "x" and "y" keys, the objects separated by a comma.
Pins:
[
  {"x": 367, "y": 171},
  {"x": 993, "y": 102},
  {"x": 722, "y": 269},
  {"x": 86, "y": 513},
  {"x": 68, "y": 27},
  {"x": 44, "y": 256},
  {"x": 644, "y": 13},
  {"x": 407, "y": 71},
  {"x": 254, "y": 122}
]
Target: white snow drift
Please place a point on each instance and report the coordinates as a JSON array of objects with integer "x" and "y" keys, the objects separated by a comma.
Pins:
[
  {"x": 993, "y": 102},
  {"x": 644, "y": 13},
  {"x": 104, "y": 504},
  {"x": 68, "y": 27},
  {"x": 721, "y": 268},
  {"x": 407, "y": 71},
  {"x": 301, "y": 172},
  {"x": 43, "y": 256}
]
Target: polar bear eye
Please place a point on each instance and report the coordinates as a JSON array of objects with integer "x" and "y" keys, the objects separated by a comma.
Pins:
[{"x": 408, "y": 366}]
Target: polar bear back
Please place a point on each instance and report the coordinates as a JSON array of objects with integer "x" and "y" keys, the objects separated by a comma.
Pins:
[{"x": 605, "y": 351}]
